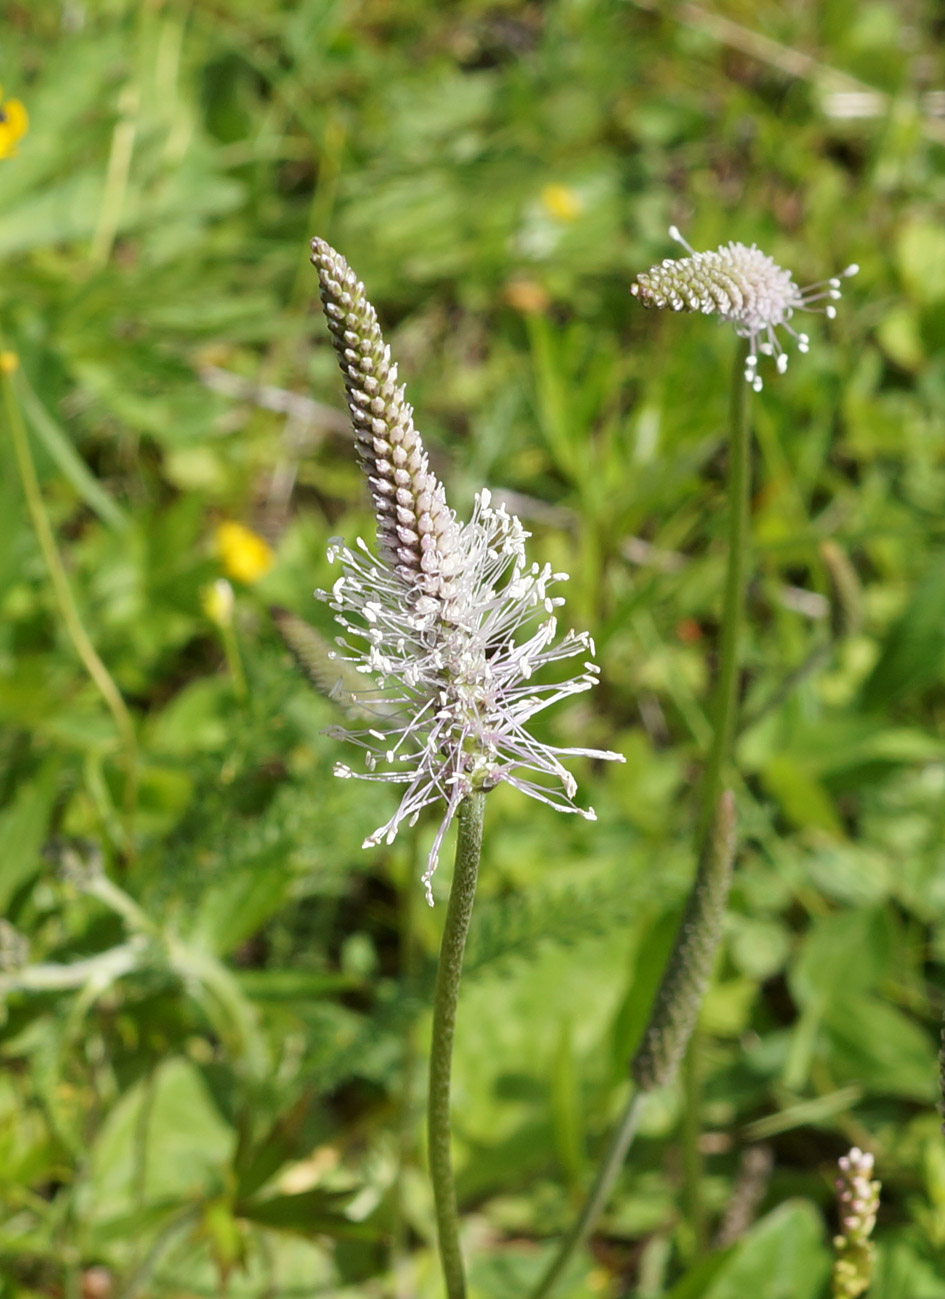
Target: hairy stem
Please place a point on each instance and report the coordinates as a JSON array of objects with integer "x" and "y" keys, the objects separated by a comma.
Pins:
[
  {"x": 449, "y": 972},
  {"x": 725, "y": 715},
  {"x": 693, "y": 1166},
  {"x": 725, "y": 702},
  {"x": 409, "y": 953},
  {"x": 679, "y": 997}
]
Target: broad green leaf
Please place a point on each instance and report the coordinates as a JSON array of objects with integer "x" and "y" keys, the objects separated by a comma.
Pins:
[
  {"x": 842, "y": 953},
  {"x": 920, "y": 252},
  {"x": 566, "y": 1105},
  {"x": 68, "y": 461},
  {"x": 802, "y": 798},
  {"x": 310, "y": 1213},
  {"x": 913, "y": 653},
  {"x": 185, "y": 1145},
  {"x": 901, "y": 1272},
  {"x": 883, "y": 1048},
  {"x": 258, "y": 1161},
  {"x": 23, "y": 828},
  {"x": 782, "y": 1257},
  {"x": 696, "y": 1282}
]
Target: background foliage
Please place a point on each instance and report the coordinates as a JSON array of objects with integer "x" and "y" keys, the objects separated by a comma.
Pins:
[{"x": 214, "y": 1002}]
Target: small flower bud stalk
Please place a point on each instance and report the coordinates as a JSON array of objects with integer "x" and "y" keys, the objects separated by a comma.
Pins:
[
  {"x": 742, "y": 285},
  {"x": 857, "y": 1206},
  {"x": 680, "y": 995}
]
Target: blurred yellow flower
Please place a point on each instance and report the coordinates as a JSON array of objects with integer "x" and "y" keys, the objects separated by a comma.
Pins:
[
  {"x": 561, "y": 202},
  {"x": 14, "y": 124},
  {"x": 9, "y": 362},
  {"x": 244, "y": 554}
]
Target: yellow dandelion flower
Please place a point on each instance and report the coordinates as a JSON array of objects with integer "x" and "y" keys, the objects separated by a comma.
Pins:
[
  {"x": 244, "y": 554},
  {"x": 14, "y": 123},
  {"x": 561, "y": 202}
]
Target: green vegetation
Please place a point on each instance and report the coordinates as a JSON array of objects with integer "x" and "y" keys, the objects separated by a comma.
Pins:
[{"x": 215, "y": 1006}]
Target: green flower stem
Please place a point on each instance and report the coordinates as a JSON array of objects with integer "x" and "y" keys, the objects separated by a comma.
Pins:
[
  {"x": 724, "y": 719},
  {"x": 693, "y": 1164},
  {"x": 408, "y": 900},
  {"x": 672, "y": 1020},
  {"x": 610, "y": 1165},
  {"x": 449, "y": 971},
  {"x": 68, "y": 610},
  {"x": 725, "y": 702},
  {"x": 687, "y": 972}
]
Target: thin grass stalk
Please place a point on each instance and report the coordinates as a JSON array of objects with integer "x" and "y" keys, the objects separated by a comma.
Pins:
[{"x": 65, "y": 601}]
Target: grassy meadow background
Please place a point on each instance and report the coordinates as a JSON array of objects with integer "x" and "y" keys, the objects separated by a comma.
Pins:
[{"x": 214, "y": 1003}]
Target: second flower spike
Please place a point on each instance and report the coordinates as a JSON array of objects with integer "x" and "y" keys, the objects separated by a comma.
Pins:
[{"x": 743, "y": 285}]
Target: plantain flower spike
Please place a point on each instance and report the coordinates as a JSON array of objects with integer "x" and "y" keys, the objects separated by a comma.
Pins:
[
  {"x": 742, "y": 285},
  {"x": 449, "y": 620}
]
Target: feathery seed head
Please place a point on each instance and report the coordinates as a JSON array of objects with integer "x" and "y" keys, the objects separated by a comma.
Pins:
[
  {"x": 742, "y": 285},
  {"x": 449, "y": 620}
]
